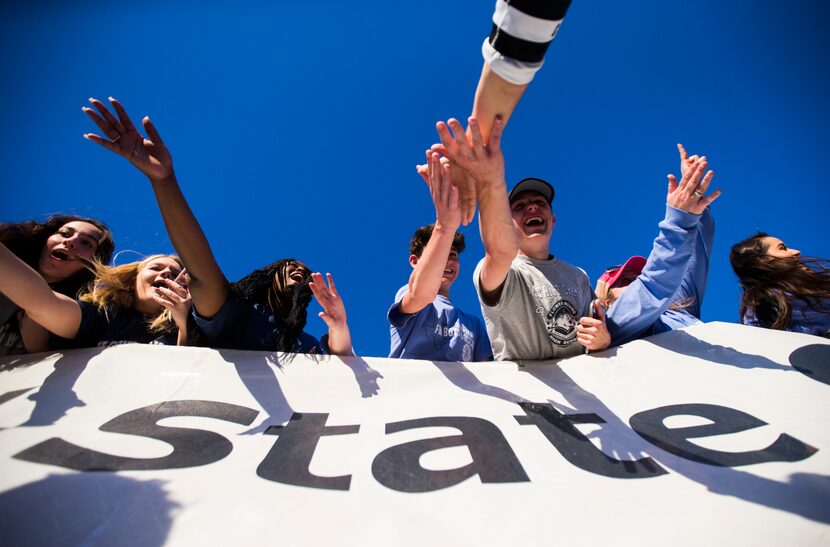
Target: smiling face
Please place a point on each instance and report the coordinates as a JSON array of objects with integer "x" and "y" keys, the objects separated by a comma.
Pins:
[
  {"x": 61, "y": 254},
  {"x": 534, "y": 221},
  {"x": 295, "y": 274},
  {"x": 775, "y": 247},
  {"x": 151, "y": 276},
  {"x": 449, "y": 274}
]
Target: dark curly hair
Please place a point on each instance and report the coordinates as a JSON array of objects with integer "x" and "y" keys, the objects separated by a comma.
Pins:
[
  {"x": 771, "y": 283},
  {"x": 26, "y": 241},
  {"x": 421, "y": 238},
  {"x": 269, "y": 287}
]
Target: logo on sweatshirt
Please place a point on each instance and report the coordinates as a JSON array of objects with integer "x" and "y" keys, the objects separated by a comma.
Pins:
[{"x": 560, "y": 323}]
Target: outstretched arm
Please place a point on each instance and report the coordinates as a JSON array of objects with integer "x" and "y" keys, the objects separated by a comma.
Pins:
[
  {"x": 25, "y": 287},
  {"x": 650, "y": 295},
  {"x": 485, "y": 164},
  {"x": 425, "y": 281},
  {"x": 513, "y": 53},
  {"x": 150, "y": 156},
  {"x": 693, "y": 288},
  {"x": 334, "y": 314}
]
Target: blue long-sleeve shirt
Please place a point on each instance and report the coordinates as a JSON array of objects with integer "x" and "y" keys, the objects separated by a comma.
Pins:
[{"x": 676, "y": 271}]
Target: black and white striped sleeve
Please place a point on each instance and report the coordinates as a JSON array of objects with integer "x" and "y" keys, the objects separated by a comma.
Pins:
[{"x": 522, "y": 31}]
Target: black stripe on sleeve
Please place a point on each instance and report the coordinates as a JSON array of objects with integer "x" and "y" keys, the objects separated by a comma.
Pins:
[
  {"x": 544, "y": 9},
  {"x": 516, "y": 48}
]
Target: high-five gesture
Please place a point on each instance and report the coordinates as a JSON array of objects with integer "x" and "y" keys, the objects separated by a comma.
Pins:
[
  {"x": 444, "y": 193},
  {"x": 483, "y": 161},
  {"x": 150, "y": 156},
  {"x": 462, "y": 181},
  {"x": 690, "y": 193}
]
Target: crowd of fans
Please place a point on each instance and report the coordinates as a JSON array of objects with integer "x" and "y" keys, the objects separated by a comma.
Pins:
[{"x": 59, "y": 291}]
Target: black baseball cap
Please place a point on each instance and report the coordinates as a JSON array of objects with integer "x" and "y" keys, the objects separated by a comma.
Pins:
[{"x": 532, "y": 184}]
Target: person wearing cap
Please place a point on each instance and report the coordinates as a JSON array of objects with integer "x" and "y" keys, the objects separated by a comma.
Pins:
[
  {"x": 535, "y": 306},
  {"x": 665, "y": 291},
  {"x": 423, "y": 321}
]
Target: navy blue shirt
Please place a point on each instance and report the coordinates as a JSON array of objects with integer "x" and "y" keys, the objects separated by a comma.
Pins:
[
  {"x": 249, "y": 326},
  {"x": 111, "y": 327}
]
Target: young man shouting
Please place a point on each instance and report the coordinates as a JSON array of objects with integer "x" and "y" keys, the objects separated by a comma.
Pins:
[{"x": 535, "y": 306}]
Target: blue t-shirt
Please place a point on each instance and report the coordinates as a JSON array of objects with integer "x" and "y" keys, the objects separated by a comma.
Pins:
[
  {"x": 112, "y": 327},
  {"x": 249, "y": 326},
  {"x": 439, "y": 332},
  {"x": 803, "y": 318}
]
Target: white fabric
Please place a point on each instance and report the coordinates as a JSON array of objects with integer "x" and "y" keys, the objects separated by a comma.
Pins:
[{"x": 70, "y": 396}]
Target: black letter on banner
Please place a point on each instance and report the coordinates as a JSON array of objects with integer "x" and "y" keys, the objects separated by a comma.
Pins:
[
  {"x": 813, "y": 361},
  {"x": 398, "y": 467},
  {"x": 649, "y": 424},
  {"x": 578, "y": 449},
  {"x": 191, "y": 447},
  {"x": 288, "y": 460}
]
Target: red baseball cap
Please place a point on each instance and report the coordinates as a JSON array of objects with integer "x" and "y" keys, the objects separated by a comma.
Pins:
[{"x": 634, "y": 265}]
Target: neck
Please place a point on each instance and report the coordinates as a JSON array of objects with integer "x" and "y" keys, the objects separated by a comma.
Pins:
[{"x": 538, "y": 254}]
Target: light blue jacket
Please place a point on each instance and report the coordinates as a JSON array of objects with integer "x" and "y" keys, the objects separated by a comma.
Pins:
[{"x": 676, "y": 272}]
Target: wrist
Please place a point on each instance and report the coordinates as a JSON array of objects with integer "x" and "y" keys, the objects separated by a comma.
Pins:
[
  {"x": 168, "y": 178},
  {"x": 442, "y": 226}
]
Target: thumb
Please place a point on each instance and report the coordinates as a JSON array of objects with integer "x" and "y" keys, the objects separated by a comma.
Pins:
[
  {"x": 600, "y": 310},
  {"x": 326, "y": 319},
  {"x": 672, "y": 183}
]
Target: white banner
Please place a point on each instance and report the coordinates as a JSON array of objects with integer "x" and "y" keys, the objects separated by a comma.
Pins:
[{"x": 717, "y": 434}]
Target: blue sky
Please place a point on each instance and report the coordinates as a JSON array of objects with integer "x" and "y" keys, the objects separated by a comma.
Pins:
[{"x": 295, "y": 127}]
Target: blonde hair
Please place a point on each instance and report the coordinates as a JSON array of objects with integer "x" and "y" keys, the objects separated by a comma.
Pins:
[
  {"x": 603, "y": 292},
  {"x": 114, "y": 286}
]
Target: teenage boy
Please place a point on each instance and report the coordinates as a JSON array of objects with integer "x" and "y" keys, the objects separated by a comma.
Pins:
[
  {"x": 535, "y": 306},
  {"x": 424, "y": 323}
]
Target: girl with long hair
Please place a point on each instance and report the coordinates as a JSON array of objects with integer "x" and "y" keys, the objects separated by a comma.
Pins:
[
  {"x": 781, "y": 289},
  {"x": 266, "y": 310},
  {"x": 137, "y": 302},
  {"x": 60, "y": 250}
]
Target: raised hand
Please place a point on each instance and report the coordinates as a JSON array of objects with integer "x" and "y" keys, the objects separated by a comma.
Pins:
[
  {"x": 150, "y": 156},
  {"x": 483, "y": 161},
  {"x": 690, "y": 193},
  {"x": 444, "y": 193},
  {"x": 463, "y": 181},
  {"x": 686, "y": 161},
  {"x": 334, "y": 314},
  {"x": 593, "y": 333},
  {"x": 334, "y": 311}
]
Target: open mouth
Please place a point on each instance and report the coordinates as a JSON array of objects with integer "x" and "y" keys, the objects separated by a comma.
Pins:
[
  {"x": 158, "y": 284},
  {"x": 534, "y": 221},
  {"x": 62, "y": 256}
]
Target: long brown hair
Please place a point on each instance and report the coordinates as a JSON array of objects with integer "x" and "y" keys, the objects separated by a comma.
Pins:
[
  {"x": 114, "y": 286},
  {"x": 26, "y": 241},
  {"x": 771, "y": 283}
]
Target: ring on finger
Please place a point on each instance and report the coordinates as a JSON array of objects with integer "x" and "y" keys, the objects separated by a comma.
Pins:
[
  {"x": 698, "y": 194},
  {"x": 116, "y": 138}
]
